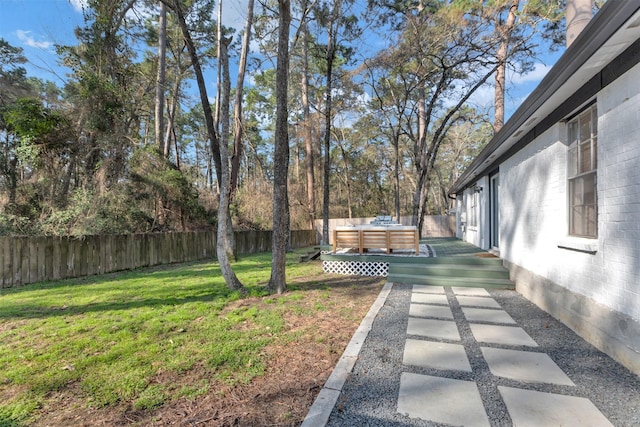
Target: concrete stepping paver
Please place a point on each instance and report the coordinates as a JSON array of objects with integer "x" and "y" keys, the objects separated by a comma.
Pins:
[
  {"x": 476, "y": 292},
  {"x": 436, "y": 355},
  {"x": 432, "y": 328},
  {"x": 534, "y": 408},
  {"x": 441, "y": 400},
  {"x": 434, "y": 344},
  {"x": 504, "y": 335},
  {"x": 524, "y": 366},
  {"x": 424, "y": 310},
  {"x": 428, "y": 289},
  {"x": 485, "y": 302},
  {"x": 490, "y": 315},
  {"x": 429, "y": 298}
]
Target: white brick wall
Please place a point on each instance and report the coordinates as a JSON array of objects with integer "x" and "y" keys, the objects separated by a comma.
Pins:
[{"x": 533, "y": 206}]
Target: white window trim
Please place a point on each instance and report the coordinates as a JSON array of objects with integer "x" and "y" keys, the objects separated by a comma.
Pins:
[
  {"x": 579, "y": 244},
  {"x": 571, "y": 241}
]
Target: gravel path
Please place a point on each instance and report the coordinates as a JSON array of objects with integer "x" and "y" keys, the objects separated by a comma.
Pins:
[{"x": 370, "y": 395}]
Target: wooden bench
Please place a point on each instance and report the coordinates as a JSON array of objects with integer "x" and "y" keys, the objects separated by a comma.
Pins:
[{"x": 370, "y": 237}]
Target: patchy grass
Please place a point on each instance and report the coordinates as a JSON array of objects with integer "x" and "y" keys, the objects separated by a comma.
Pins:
[{"x": 139, "y": 341}]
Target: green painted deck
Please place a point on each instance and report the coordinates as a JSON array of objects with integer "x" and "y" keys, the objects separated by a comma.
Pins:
[
  {"x": 450, "y": 246},
  {"x": 456, "y": 263}
]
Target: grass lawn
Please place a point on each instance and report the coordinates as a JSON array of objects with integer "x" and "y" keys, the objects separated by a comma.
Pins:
[{"x": 139, "y": 340}]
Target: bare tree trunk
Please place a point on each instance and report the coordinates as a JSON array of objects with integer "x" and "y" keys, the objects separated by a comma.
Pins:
[
  {"x": 420, "y": 158},
  {"x": 331, "y": 54},
  {"x": 347, "y": 178},
  {"x": 172, "y": 106},
  {"x": 396, "y": 176},
  {"x": 308, "y": 142},
  {"x": 175, "y": 147},
  {"x": 226, "y": 239},
  {"x": 159, "y": 101},
  {"x": 216, "y": 115},
  {"x": 202, "y": 89},
  {"x": 217, "y": 149},
  {"x": 505, "y": 32},
  {"x": 277, "y": 282},
  {"x": 226, "y": 247},
  {"x": 160, "y": 78},
  {"x": 237, "y": 113}
]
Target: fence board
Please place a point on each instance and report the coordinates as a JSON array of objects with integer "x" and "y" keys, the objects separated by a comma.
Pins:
[
  {"x": 110, "y": 259},
  {"x": 47, "y": 260},
  {"x": 74, "y": 249},
  {"x": 21, "y": 266},
  {"x": 5, "y": 262},
  {"x": 32, "y": 271},
  {"x": 92, "y": 259},
  {"x": 55, "y": 258},
  {"x": 84, "y": 249}
]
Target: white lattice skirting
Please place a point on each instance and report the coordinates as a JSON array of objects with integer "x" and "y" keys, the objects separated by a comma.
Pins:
[{"x": 356, "y": 268}]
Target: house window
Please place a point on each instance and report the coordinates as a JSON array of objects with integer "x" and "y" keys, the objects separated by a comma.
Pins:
[
  {"x": 473, "y": 212},
  {"x": 582, "y": 176}
]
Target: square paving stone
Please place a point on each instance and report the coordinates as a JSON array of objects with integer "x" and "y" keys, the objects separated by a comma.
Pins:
[
  {"x": 524, "y": 366},
  {"x": 429, "y": 298},
  {"x": 424, "y": 310},
  {"x": 436, "y": 355},
  {"x": 441, "y": 400},
  {"x": 535, "y": 408},
  {"x": 505, "y": 335},
  {"x": 428, "y": 289},
  {"x": 476, "y": 292},
  {"x": 478, "y": 302},
  {"x": 442, "y": 329},
  {"x": 486, "y": 315}
]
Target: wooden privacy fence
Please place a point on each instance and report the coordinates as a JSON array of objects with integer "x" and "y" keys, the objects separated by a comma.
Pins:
[{"x": 26, "y": 260}]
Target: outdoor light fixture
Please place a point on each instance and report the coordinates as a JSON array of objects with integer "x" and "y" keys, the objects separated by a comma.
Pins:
[{"x": 477, "y": 189}]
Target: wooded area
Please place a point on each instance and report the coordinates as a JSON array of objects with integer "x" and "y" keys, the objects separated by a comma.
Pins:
[{"x": 348, "y": 108}]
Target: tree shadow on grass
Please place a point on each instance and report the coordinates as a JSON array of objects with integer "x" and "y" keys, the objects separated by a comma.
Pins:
[
  {"x": 36, "y": 312},
  {"x": 169, "y": 290}
]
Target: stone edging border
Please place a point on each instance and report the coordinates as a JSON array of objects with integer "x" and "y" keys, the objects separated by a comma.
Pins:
[{"x": 319, "y": 413}]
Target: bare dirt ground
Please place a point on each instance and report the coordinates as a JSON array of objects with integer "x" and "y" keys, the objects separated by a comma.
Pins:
[{"x": 295, "y": 374}]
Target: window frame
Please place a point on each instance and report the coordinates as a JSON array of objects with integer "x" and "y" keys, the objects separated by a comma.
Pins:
[
  {"x": 473, "y": 209},
  {"x": 582, "y": 173}
]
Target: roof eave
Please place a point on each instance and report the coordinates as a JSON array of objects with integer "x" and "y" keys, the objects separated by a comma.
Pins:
[{"x": 613, "y": 15}]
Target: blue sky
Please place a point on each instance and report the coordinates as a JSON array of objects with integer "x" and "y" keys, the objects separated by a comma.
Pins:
[{"x": 37, "y": 25}]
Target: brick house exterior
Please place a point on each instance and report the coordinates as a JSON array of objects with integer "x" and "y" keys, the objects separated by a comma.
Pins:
[{"x": 557, "y": 191}]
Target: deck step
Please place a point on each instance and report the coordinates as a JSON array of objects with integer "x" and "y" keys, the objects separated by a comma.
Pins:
[
  {"x": 394, "y": 259},
  {"x": 311, "y": 255},
  {"x": 476, "y": 282},
  {"x": 450, "y": 270}
]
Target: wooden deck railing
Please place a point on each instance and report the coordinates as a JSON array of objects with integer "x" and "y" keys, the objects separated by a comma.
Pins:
[{"x": 368, "y": 237}]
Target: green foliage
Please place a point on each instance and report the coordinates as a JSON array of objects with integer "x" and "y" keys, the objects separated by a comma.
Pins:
[
  {"x": 14, "y": 224},
  {"x": 88, "y": 213},
  {"x": 154, "y": 179},
  {"x": 29, "y": 119}
]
